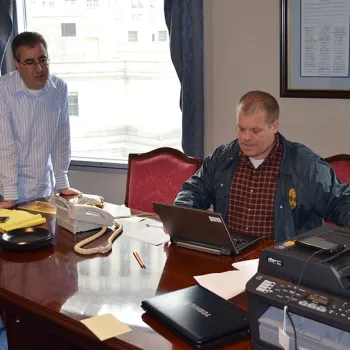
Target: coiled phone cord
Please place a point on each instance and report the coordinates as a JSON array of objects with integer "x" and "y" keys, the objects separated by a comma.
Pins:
[{"x": 100, "y": 249}]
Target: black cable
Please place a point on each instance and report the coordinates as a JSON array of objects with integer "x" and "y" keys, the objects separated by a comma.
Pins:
[
  {"x": 295, "y": 290},
  {"x": 334, "y": 256},
  {"x": 294, "y": 330}
]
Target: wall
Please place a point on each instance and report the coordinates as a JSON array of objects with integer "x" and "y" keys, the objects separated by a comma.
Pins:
[
  {"x": 108, "y": 185},
  {"x": 241, "y": 53}
]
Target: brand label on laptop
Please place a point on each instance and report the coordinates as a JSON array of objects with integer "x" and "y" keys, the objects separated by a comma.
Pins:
[{"x": 214, "y": 219}]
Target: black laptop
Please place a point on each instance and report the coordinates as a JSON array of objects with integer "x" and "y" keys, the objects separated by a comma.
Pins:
[
  {"x": 199, "y": 316},
  {"x": 201, "y": 230}
]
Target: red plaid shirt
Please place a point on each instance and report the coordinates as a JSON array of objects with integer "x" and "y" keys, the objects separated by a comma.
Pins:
[{"x": 252, "y": 194}]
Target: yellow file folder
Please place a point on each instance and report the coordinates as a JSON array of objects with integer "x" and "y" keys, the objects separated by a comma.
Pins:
[{"x": 19, "y": 219}]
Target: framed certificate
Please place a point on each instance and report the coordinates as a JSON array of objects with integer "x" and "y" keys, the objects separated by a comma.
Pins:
[{"x": 315, "y": 48}]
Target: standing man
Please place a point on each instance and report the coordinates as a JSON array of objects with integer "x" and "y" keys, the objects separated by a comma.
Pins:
[
  {"x": 34, "y": 126},
  {"x": 263, "y": 184}
]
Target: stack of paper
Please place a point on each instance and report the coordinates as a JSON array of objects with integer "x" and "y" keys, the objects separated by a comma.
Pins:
[{"x": 230, "y": 283}]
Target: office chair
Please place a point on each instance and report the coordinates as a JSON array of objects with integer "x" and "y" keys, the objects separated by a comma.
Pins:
[
  {"x": 157, "y": 176},
  {"x": 341, "y": 165}
]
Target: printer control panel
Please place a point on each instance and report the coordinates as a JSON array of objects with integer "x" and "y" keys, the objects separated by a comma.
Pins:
[{"x": 322, "y": 303}]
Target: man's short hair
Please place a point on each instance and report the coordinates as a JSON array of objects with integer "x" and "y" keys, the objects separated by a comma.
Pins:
[
  {"x": 26, "y": 39},
  {"x": 252, "y": 101}
]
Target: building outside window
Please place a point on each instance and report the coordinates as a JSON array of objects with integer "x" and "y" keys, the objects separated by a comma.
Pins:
[
  {"x": 121, "y": 81},
  {"x": 73, "y": 104},
  {"x": 48, "y": 3},
  {"x": 162, "y": 35},
  {"x": 137, "y": 4},
  {"x": 92, "y": 4},
  {"x": 136, "y": 16},
  {"x": 132, "y": 35},
  {"x": 68, "y": 29},
  {"x": 70, "y": 2}
]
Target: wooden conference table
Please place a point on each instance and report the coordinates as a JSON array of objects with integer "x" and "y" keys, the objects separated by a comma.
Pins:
[{"x": 46, "y": 293}]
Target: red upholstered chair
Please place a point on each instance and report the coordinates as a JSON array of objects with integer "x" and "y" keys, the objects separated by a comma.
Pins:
[
  {"x": 341, "y": 165},
  {"x": 157, "y": 176}
]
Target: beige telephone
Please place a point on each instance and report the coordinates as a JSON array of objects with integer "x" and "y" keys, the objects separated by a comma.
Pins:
[
  {"x": 86, "y": 215},
  {"x": 82, "y": 217},
  {"x": 79, "y": 217}
]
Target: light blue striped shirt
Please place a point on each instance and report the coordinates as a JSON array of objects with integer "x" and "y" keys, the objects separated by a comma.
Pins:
[{"x": 34, "y": 138}]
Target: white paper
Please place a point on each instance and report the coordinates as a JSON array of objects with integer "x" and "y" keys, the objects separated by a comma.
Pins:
[
  {"x": 230, "y": 283},
  {"x": 152, "y": 235},
  {"x": 325, "y": 38},
  {"x": 135, "y": 219},
  {"x": 250, "y": 267},
  {"x": 148, "y": 230},
  {"x": 226, "y": 284},
  {"x": 153, "y": 223},
  {"x": 117, "y": 211}
]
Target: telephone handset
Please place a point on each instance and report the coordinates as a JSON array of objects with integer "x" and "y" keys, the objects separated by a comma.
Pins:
[
  {"x": 90, "y": 214},
  {"x": 60, "y": 201}
]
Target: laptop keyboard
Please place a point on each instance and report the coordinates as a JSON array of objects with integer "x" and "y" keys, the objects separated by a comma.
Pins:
[{"x": 239, "y": 242}]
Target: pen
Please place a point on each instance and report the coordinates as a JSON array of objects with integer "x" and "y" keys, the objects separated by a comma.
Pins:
[
  {"x": 143, "y": 264},
  {"x": 137, "y": 257},
  {"x": 154, "y": 225}
]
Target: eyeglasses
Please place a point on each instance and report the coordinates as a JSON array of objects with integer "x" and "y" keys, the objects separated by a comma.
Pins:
[{"x": 42, "y": 62}]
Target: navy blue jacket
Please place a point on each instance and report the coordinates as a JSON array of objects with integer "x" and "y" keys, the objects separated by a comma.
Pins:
[{"x": 319, "y": 194}]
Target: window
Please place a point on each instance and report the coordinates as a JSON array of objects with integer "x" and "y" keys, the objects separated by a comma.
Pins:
[
  {"x": 114, "y": 3},
  {"x": 92, "y": 4},
  {"x": 73, "y": 104},
  {"x": 48, "y": 3},
  {"x": 123, "y": 89},
  {"x": 132, "y": 35},
  {"x": 43, "y": 3},
  {"x": 137, "y": 4},
  {"x": 162, "y": 35},
  {"x": 68, "y": 29},
  {"x": 136, "y": 16}
]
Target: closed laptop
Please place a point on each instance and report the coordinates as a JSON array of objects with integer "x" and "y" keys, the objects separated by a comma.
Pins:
[{"x": 199, "y": 316}]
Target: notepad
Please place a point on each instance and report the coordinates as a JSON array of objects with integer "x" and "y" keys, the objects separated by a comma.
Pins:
[
  {"x": 20, "y": 219},
  {"x": 40, "y": 206},
  {"x": 105, "y": 326}
]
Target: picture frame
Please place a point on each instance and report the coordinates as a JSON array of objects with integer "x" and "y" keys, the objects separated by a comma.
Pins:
[{"x": 314, "y": 51}]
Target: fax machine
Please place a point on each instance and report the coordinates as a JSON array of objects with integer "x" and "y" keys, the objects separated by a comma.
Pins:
[{"x": 320, "y": 307}]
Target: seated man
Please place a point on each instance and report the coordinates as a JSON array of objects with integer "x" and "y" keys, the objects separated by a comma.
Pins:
[
  {"x": 263, "y": 184},
  {"x": 34, "y": 126}
]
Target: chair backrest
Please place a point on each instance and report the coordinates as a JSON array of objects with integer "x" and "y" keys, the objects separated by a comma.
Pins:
[
  {"x": 157, "y": 176},
  {"x": 341, "y": 165}
]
